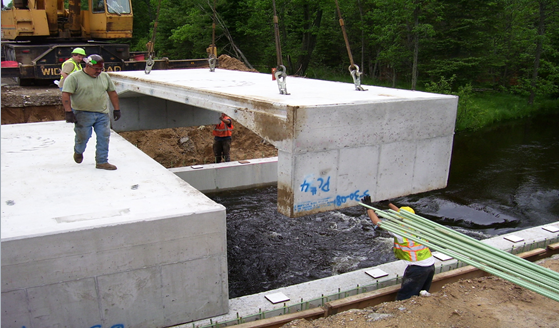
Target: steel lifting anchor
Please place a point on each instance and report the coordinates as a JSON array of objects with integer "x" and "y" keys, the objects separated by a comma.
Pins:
[
  {"x": 149, "y": 64},
  {"x": 212, "y": 61},
  {"x": 280, "y": 77},
  {"x": 150, "y": 45},
  {"x": 356, "y": 75}
]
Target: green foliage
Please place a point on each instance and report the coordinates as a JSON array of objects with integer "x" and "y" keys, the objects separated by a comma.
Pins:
[
  {"x": 444, "y": 85},
  {"x": 476, "y": 110},
  {"x": 184, "y": 29},
  {"x": 489, "y": 45},
  {"x": 470, "y": 116},
  {"x": 144, "y": 14}
]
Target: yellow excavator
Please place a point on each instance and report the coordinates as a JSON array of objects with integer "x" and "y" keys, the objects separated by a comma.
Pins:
[{"x": 39, "y": 35}]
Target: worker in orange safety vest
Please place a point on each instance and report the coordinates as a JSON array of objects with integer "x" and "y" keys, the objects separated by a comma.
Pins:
[
  {"x": 222, "y": 139},
  {"x": 421, "y": 264}
]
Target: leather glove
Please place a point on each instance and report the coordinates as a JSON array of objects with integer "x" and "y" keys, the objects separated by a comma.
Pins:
[
  {"x": 70, "y": 117},
  {"x": 385, "y": 202},
  {"x": 367, "y": 200},
  {"x": 116, "y": 114}
]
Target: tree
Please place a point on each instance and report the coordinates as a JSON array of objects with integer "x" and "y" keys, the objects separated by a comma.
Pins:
[
  {"x": 500, "y": 44},
  {"x": 463, "y": 40}
]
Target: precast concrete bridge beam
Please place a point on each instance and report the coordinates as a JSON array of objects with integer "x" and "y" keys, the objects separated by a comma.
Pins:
[{"x": 335, "y": 144}]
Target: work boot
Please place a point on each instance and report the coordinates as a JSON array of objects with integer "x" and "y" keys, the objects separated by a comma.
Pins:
[
  {"x": 78, "y": 158},
  {"x": 105, "y": 166},
  {"x": 424, "y": 293}
]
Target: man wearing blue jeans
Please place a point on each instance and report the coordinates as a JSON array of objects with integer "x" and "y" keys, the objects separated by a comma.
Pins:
[
  {"x": 421, "y": 264},
  {"x": 86, "y": 93}
]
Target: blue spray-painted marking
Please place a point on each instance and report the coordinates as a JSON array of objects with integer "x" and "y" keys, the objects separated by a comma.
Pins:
[
  {"x": 310, "y": 185},
  {"x": 307, "y": 186},
  {"x": 324, "y": 186},
  {"x": 353, "y": 196},
  {"x": 329, "y": 201}
]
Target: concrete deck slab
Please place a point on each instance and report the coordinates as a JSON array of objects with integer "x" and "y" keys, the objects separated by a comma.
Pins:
[
  {"x": 83, "y": 247},
  {"x": 335, "y": 144}
]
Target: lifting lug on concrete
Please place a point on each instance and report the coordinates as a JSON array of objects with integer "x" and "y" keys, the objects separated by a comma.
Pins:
[
  {"x": 212, "y": 61},
  {"x": 280, "y": 77},
  {"x": 149, "y": 64},
  {"x": 356, "y": 75}
]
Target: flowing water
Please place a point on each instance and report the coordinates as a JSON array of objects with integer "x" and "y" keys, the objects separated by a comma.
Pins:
[{"x": 501, "y": 180}]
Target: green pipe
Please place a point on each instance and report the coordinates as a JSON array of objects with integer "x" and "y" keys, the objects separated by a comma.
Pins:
[
  {"x": 474, "y": 252},
  {"x": 467, "y": 251},
  {"x": 534, "y": 287},
  {"x": 477, "y": 243},
  {"x": 477, "y": 253},
  {"x": 398, "y": 229}
]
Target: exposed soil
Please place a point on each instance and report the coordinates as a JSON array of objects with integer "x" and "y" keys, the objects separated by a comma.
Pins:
[
  {"x": 193, "y": 145},
  {"x": 480, "y": 303},
  {"x": 483, "y": 302}
]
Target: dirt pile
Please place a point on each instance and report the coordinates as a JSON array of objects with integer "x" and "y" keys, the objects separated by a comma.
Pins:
[
  {"x": 30, "y": 104},
  {"x": 178, "y": 147},
  {"x": 228, "y": 62}
]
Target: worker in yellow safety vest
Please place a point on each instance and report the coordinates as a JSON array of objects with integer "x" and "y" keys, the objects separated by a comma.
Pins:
[
  {"x": 421, "y": 264},
  {"x": 71, "y": 65},
  {"x": 222, "y": 139}
]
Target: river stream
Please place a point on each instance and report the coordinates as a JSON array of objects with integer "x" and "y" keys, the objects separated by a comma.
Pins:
[{"x": 502, "y": 179}]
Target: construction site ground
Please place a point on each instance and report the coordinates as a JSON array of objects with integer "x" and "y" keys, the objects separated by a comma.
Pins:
[{"x": 482, "y": 302}]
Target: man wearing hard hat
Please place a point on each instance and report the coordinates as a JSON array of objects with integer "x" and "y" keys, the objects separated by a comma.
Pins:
[
  {"x": 421, "y": 264},
  {"x": 71, "y": 65},
  {"x": 84, "y": 98}
]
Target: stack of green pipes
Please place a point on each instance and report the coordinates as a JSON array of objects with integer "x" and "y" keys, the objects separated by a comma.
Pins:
[{"x": 471, "y": 251}]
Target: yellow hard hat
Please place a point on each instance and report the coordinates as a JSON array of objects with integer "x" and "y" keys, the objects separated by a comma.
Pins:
[
  {"x": 407, "y": 208},
  {"x": 78, "y": 51}
]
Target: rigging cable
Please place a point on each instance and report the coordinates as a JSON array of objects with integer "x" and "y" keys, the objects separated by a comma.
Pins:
[
  {"x": 353, "y": 68},
  {"x": 280, "y": 73},
  {"x": 151, "y": 52},
  {"x": 212, "y": 58}
]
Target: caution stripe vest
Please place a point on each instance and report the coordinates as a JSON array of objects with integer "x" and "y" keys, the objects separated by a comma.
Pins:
[
  {"x": 411, "y": 251},
  {"x": 222, "y": 130},
  {"x": 77, "y": 67}
]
